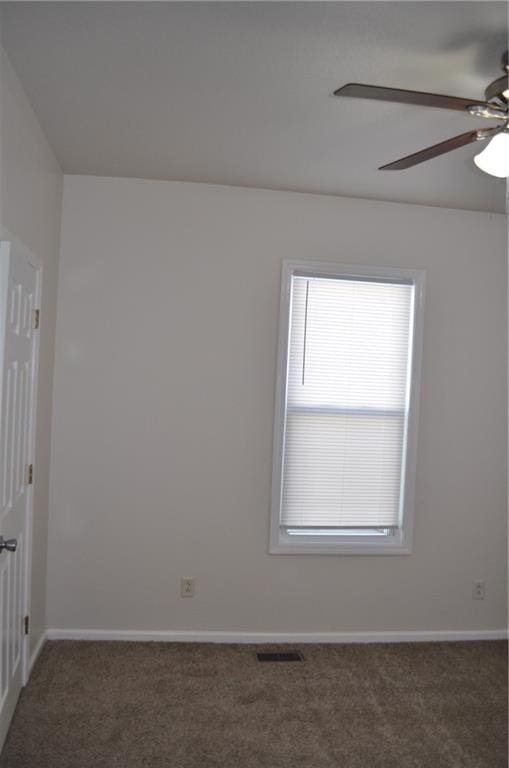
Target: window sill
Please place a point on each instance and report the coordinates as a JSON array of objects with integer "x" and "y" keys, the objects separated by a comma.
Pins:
[{"x": 283, "y": 546}]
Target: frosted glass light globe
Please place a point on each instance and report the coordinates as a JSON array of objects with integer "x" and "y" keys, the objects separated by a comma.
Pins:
[{"x": 494, "y": 159}]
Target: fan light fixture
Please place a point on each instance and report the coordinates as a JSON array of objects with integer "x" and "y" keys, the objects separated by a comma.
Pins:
[{"x": 494, "y": 159}]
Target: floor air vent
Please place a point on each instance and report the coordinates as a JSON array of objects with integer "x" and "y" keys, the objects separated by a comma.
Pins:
[{"x": 288, "y": 656}]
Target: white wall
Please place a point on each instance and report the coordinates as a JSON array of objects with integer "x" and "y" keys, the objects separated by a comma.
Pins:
[
  {"x": 30, "y": 207},
  {"x": 164, "y": 393}
]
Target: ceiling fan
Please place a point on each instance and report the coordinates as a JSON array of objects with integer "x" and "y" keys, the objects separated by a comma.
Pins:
[{"x": 494, "y": 159}]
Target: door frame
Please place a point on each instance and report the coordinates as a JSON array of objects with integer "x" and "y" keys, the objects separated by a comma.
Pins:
[{"x": 7, "y": 243}]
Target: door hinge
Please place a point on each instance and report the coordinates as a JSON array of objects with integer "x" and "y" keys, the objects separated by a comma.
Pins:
[
  {"x": 29, "y": 474},
  {"x": 36, "y": 316},
  {"x": 26, "y": 625}
]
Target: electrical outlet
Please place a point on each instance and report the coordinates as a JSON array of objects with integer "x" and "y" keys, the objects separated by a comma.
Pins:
[
  {"x": 478, "y": 590},
  {"x": 187, "y": 586}
]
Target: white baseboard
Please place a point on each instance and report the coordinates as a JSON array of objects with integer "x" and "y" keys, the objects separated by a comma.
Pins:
[
  {"x": 35, "y": 653},
  {"x": 197, "y": 636}
]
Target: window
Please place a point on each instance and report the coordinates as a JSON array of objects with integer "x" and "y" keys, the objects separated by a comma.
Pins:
[{"x": 346, "y": 410}]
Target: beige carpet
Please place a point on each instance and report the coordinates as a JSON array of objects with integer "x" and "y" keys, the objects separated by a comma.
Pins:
[{"x": 140, "y": 705}]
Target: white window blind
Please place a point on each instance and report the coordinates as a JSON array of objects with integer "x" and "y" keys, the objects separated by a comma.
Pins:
[{"x": 347, "y": 401}]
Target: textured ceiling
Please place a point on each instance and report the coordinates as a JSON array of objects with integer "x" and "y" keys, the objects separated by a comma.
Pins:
[{"x": 239, "y": 93}]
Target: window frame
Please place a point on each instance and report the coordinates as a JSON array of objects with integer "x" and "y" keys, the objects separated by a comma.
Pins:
[{"x": 399, "y": 542}]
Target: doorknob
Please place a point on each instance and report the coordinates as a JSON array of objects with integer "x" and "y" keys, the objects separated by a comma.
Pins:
[{"x": 10, "y": 544}]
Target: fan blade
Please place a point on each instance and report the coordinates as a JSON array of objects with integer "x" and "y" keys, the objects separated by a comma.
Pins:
[
  {"x": 360, "y": 91},
  {"x": 437, "y": 149}
]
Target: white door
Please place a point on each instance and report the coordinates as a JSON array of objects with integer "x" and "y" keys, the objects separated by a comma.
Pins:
[{"x": 19, "y": 283}]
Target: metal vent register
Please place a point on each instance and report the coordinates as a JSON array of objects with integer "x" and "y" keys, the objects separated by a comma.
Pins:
[{"x": 286, "y": 656}]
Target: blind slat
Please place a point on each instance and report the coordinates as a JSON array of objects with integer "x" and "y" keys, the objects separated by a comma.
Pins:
[{"x": 346, "y": 402}]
